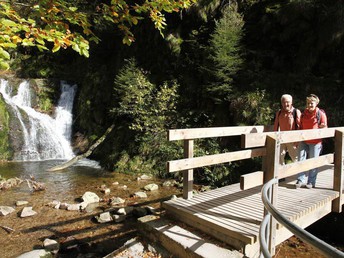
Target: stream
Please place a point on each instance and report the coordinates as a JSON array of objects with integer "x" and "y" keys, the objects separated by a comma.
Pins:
[{"x": 77, "y": 232}]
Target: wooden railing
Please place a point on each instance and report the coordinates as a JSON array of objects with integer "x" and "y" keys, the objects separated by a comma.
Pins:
[{"x": 255, "y": 142}]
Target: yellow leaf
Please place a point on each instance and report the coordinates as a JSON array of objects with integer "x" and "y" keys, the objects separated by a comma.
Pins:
[{"x": 56, "y": 48}]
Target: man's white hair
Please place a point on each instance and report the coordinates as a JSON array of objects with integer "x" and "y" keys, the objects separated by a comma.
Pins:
[{"x": 287, "y": 97}]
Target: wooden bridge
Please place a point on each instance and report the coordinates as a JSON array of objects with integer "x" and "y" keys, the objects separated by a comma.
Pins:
[{"x": 233, "y": 213}]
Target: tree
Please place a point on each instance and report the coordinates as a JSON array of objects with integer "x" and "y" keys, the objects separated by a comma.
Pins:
[{"x": 52, "y": 25}]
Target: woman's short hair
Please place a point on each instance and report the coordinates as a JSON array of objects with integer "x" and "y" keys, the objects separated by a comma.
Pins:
[{"x": 313, "y": 97}]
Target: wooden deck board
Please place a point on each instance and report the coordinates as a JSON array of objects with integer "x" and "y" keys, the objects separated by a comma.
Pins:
[{"x": 238, "y": 213}]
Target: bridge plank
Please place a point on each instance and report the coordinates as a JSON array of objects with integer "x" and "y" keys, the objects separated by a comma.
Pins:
[
  {"x": 305, "y": 165},
  {"x": 183, "y": 164},
  {"x": 198, "y": 133},
  {"x": 250, "y": 180},
  {"x": 259, "y": 139},
  {"x": 231, "y": 214}
]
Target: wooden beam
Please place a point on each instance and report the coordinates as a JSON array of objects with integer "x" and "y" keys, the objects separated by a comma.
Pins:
[
  {"x": 198, "y": 133},
  {"x": 188, "y": 173},
  {"x": 251, "y": 180},
  {"x": 305, "y": 165},
  {"x": 259, "y": 139},
  {"x": 190, "y": 163},
  {"x": 272, "y": 162},
  {"x": 338, "y": 170}
]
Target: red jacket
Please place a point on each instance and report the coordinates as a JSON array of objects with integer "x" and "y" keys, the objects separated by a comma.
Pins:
[{"x": 309, "y": 120}]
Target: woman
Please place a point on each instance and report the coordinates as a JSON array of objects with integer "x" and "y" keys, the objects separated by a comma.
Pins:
[{"x": 311, "y": 118}]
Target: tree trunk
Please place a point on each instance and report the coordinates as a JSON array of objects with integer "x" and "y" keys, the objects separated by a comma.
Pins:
[{"x": 84, "y": 155}]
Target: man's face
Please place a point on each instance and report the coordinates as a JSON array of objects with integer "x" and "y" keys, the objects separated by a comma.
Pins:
[{"x": 287, "y": 104}]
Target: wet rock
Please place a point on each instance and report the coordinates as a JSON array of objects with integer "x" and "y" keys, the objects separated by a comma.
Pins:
[
  {"x": 5, "y": 210},
  {"x": 140, "y": 194},
  {"x": 104, "y": 217},
  {"x": 169, "y": 183},
  {"x": 106, "y": 190},
  {"x": 55, "y": 204},
  {"x": 21, "y": 203},
  {"x": 124, "y": 187},
  {"x": 64, "y": 206},
  {"x": 151, "y": 187},
  {"x": 174, "y": 197},
  {"x": 125, "y": 211},
  {"x": 27, "y": 212},
  {"x": 90, "y": 197},
  {"x": 51, "y": 245},
  {"x": 36, "y": 254},
  {"x": 118, "y": 218},
  {"x": 116, "y": 201},
  {"x": 144, "y": 177},
  {"x": 77, "y": 206},
  {"x": 91, "y": 207},
  {"x": 139, "y": 212},
  {"x": 152, "y": 210}
]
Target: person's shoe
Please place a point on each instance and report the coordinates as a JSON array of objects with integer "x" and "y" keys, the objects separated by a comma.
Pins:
[
  {"x": 298, "y": 184},
  {"x": 309, "y": 186}
]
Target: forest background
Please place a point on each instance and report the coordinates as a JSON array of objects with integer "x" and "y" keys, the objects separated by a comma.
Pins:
[{"x": 216, "y": 63}]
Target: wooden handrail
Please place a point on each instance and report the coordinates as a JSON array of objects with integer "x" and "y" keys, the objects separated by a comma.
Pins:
[
  {"x": 252, "y": 137},
  {"x": 269, "y": 144},
  {"x": 259, "y": 139},
  {"x": 199, "y": 133},
  {"x": 191, "y": 163}
]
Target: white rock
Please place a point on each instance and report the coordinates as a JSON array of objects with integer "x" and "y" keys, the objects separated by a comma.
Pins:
[
  {"x": 27, "y": 212},
  {"x": 145, "y": 177},
  {"x": 77, "y": 206},
  {"x": 118, "y": 218},
  {"x": 106, "y": 190},
  {"x": 20, "y": 203},
  {"x": 117, "y": 201},
  {"x": 64, "y": 206},
  {"x": 104, "y": 217},
  {"x": 140, "y": 194},
  {"x": 151, "y": 187},
  {"x": 36, "y": 254},
  {"x": 90, "y": 197},
  {"x": 55, "y": 204},
  {"x": 51, "y": 245},
  {"x": 5, "y": 210},
  {"x": 125, "y": 211}
]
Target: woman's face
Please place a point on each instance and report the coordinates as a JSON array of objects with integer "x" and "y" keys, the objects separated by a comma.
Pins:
[{"x": 311, "y": 105}]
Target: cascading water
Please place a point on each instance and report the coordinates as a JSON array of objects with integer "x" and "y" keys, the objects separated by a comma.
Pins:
[{"x": 44, "y": 137}]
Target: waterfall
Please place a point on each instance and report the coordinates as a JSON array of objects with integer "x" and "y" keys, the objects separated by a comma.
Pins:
[{"x": 45, "y": 137}]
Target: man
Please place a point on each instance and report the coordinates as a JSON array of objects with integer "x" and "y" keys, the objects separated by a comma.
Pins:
[{"x": 286, "y": 119}]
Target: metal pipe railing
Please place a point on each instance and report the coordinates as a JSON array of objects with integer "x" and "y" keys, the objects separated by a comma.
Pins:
[{"x": 317, "y": 243}]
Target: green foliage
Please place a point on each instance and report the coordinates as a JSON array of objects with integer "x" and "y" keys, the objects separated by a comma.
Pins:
[
  {"x": 226, "y": 53},
  {"x": 252, "y": 108},
  {"x": 146, "y": 111},
  {"x": 60, "y": 24}
]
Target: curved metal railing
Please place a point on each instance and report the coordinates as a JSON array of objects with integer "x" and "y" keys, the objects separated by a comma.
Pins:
[{"x": 317, "y": 243}]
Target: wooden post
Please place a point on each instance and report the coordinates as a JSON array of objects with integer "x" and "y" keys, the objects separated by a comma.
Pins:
[
  {"x": 338, "y": 170},
  {"x": 271, "y": 165},
  {"x": 188, "y": 174}
]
